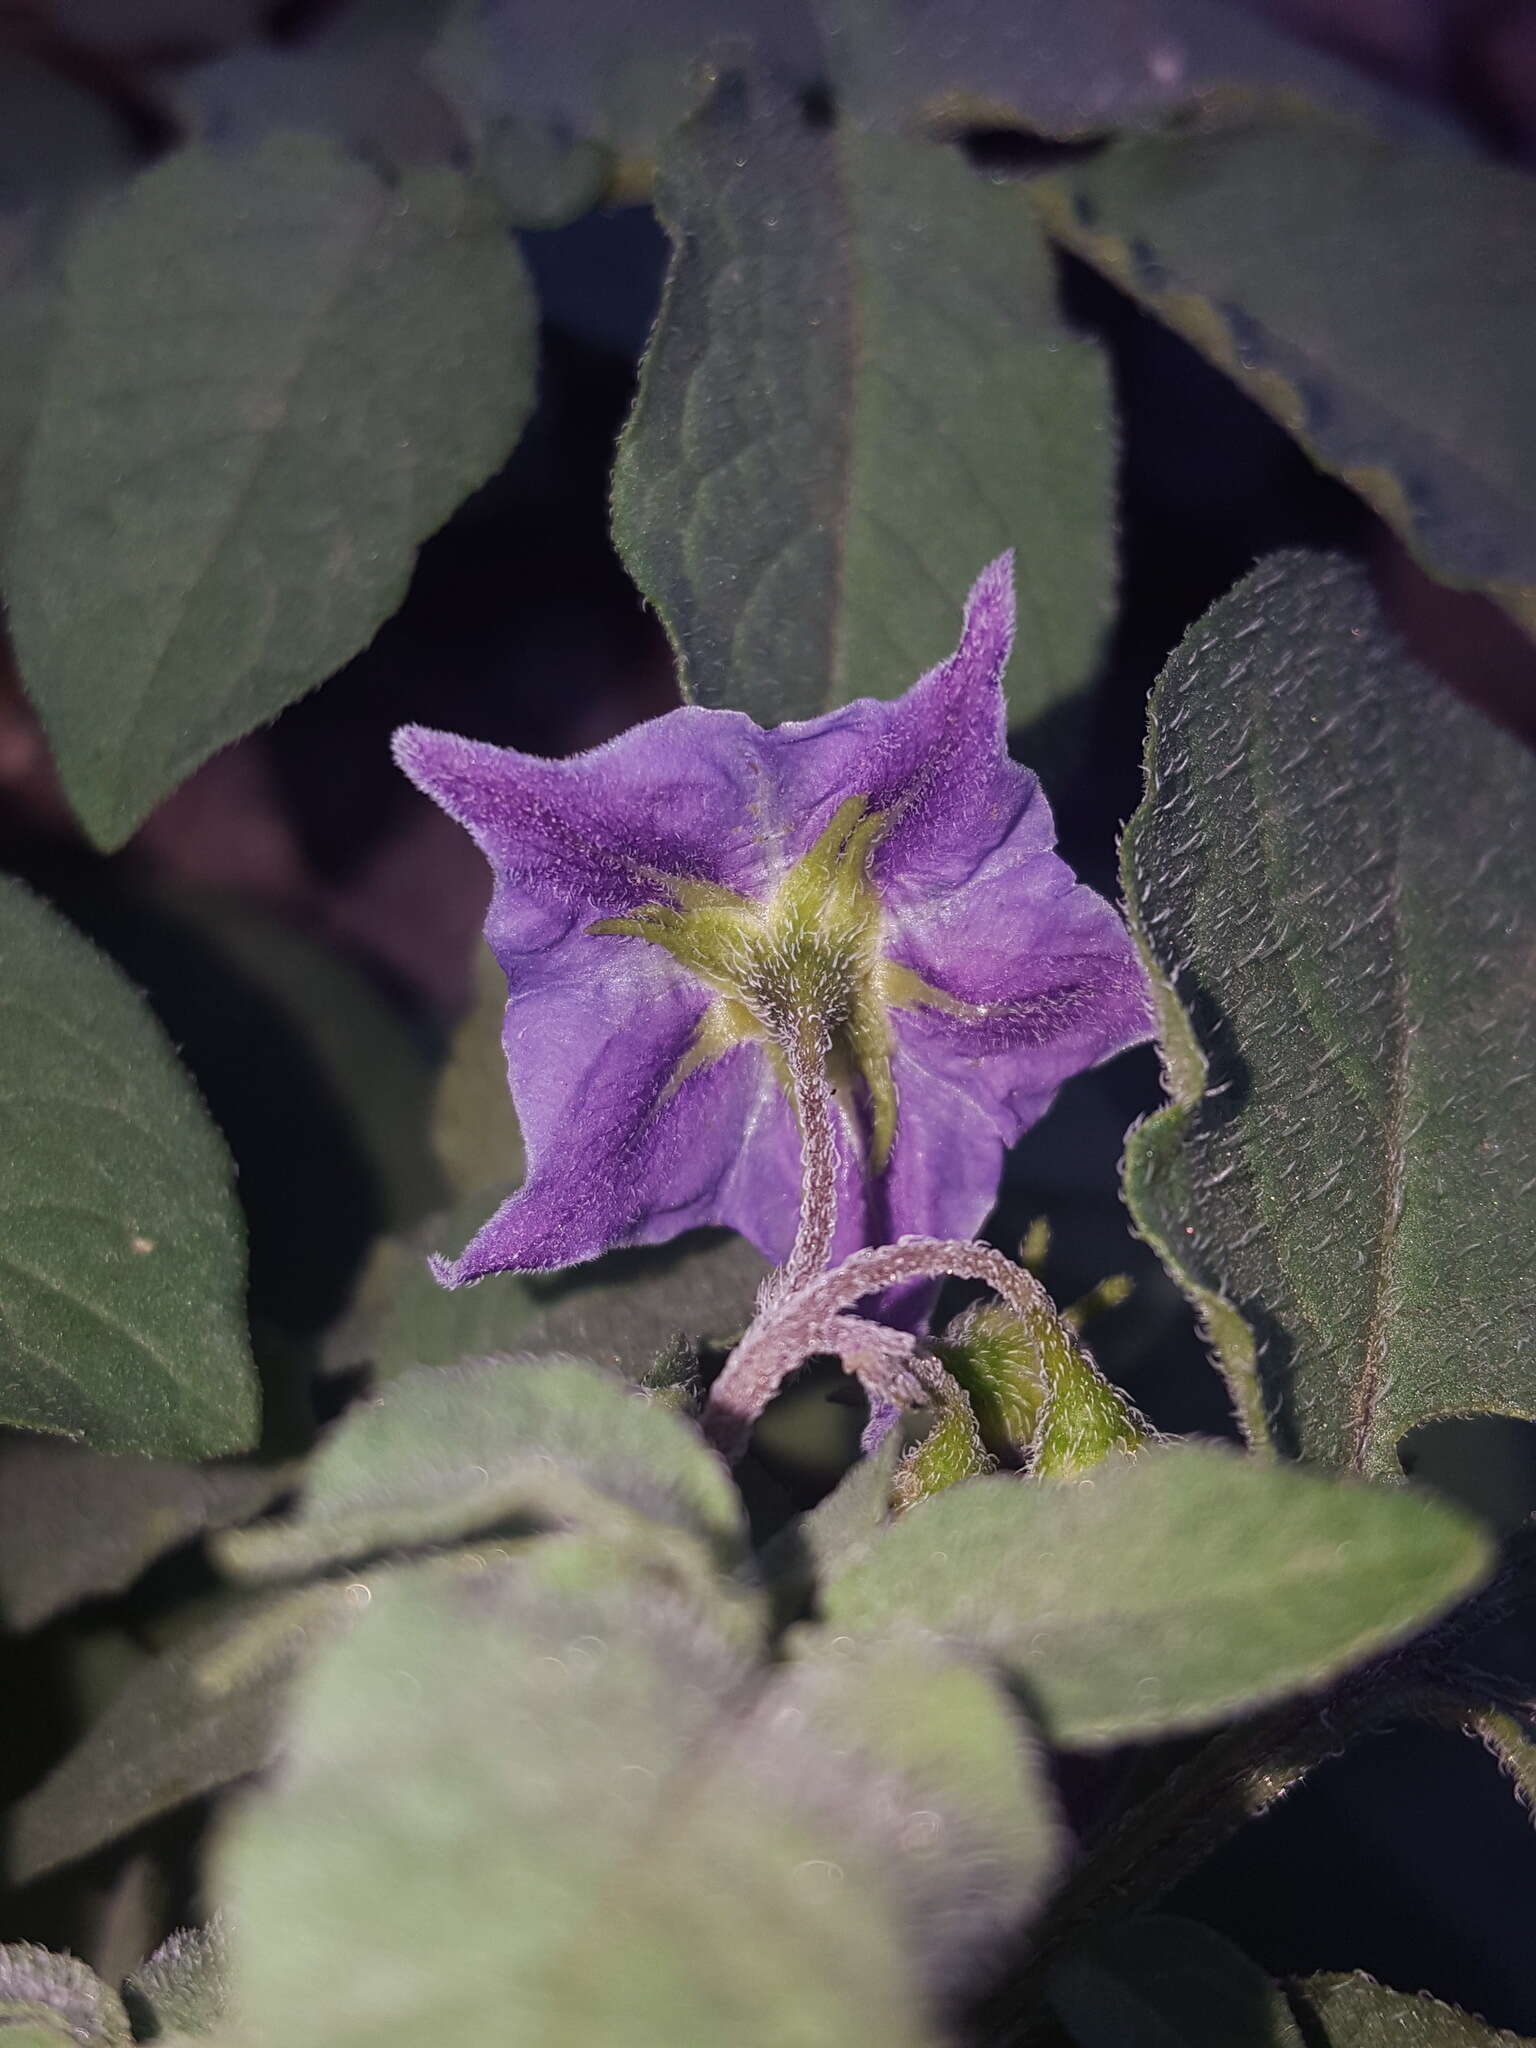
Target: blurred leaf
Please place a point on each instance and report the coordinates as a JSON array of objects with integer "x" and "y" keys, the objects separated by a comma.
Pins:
[
  {"x": 1176, "y": 1588},
  {"x": 1352, "y": 2012},
  {"x": 475, "y": 1131},
  {"x": 184, "y": 1987},
  {"x": 1160, "y": 1982},
  {"x": 47, "y": 1998},
  {"x": 75, "y": 1525},
  {"x": 618, "y": 73},
  {"x": 1378, "y": 300},
  {"x": 859, "y": 391},
  {"x": 623, "y": 1310},
  {"x": 271, "y": 380},
  {"x": 194, "y": 1720},
  {"x": 356, "y": 76},
  {"x": 120, "y": 1238},
  {"x": 1084, "y": 70},
  {"x": 1333, "y": 881},
  {"x": 662, "y": 1854},
  {"x": 451, "y": 1452}
]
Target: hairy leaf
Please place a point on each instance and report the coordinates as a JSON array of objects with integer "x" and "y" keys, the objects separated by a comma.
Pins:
[
  {"x": 1161, "y": 1982},
  {"x": 47, "y": 1998},
  {"x": 1078, "y": 71},
  {"x": 121, "y": 1244},
  {"x": 447, "y": 1453},
  {"x": 1180, "y": 1586},
  {"x": 192, "y": 1721},
  {"x": 184, "y": 1987},
  {"x": 1333, "y": 883},
  {"x": 859, "y": 391},
  {"x": 650, "y": 1858},
  {"x": 271, "y": 378},
  {"x": 1409, "y": 374},
  {"x": 1352, "y": 2012},
  {"x": 1509, "y": 1739}
]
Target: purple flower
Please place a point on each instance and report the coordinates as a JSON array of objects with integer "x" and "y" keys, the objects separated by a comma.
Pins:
[{"x": 675, "y": 908}]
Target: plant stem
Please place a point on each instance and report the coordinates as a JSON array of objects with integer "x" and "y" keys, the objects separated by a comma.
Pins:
[
  {"x": 805, "y": 1054},
  {"x": 794, "y": 1321}
]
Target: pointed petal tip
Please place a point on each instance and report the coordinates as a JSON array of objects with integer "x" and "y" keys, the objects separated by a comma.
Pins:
[
  {"x": 444, "y": 1271},
  {"x": 416, "y": 749},
  {"x": 991, "y": 597}
]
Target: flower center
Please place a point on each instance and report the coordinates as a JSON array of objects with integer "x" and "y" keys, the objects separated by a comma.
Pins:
[{"x": 800, "y": 968}]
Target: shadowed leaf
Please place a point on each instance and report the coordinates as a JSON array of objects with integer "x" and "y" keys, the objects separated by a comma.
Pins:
[
  {"x": 121, "y": 1244},
  {"x": 1333, "y": 882},
  {"x": 269, "y": 380},
  {"x": 1378, "y": 300},
  {"x": 859, "y": 392}
]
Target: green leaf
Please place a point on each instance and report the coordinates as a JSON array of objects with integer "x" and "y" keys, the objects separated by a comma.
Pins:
[
  {"x": 271, "y": 379},
  {"x": 447, "y": 1453},
  {"x": 1352, "y": 2012},
  {"x": 1409, "y": 374},
  {"x": 663, "y": 1853},
  {"x": 121, "y": 1243},
  {"x": 1035, "y": 64},
  {"x": 1161, "y": 1982},
  {"x": 1179, "y": 1587},
  {"x": 1509, "y": 1740},
  {"x": 47, "y": 1998},
  {"x": 1333, "y": 885},
  {"x": 184, "y": 1987},
  {"x": 623, "y": 1310},
  {"x": 192, "y": 1721},
  {"x": 859, "y": 391},
  {"x": 75, "y": 1525}
]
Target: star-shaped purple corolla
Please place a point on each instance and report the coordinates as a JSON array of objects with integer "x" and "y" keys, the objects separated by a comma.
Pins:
[{"x": 678, "y": 911}]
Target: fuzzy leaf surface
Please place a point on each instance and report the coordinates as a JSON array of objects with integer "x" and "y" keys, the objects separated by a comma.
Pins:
[
  {"x": 1353, "y": 2012},
  {"x": 1333, "y": 883},
  {"x": 1178, "y": 1587},
  {"x": 450, "y": 1452},
  {"x": 740, "y": 1872},
  {"x": 269, "y": 380},
  {"x": 859, "y": 392},
  {"x": 1409, "y": 376},
  {"x": 122, "y": 1246}
]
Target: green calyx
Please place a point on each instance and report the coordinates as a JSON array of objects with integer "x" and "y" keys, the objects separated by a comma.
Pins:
[
  {"x": 1034, "y": 1389},
  {"x": 802, "y": 967}
]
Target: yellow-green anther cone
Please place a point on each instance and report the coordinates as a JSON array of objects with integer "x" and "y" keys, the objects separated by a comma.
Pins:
[{"x": 951, "y": 1450}]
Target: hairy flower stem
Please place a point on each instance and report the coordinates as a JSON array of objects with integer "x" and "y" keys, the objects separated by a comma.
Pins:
[
  {"x": 805, "y": 1054},
  {"x": 798, "y": 1321}
]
